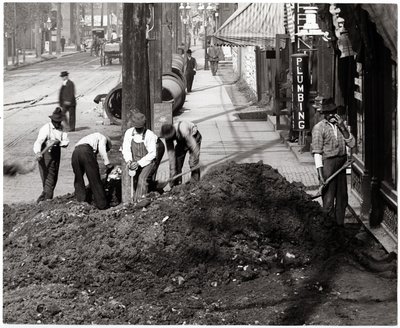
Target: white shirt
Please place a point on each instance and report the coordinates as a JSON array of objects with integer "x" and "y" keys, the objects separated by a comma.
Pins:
[
  {"x": 150, "y": 140},
  {"x": 49, "y": 132},
  {"x": 99, "y": 144}
]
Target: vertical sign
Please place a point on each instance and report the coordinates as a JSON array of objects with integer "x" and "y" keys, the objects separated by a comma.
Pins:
[{"x": 301, "y": 87}]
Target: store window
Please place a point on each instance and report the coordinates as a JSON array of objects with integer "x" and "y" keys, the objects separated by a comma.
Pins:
[{"x": 359, "y": 151}]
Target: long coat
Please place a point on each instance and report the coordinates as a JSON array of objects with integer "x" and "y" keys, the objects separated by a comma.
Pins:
[{"x": 67, "y": 93}]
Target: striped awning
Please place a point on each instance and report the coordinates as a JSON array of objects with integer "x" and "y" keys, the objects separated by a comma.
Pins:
[{"x": 256, "y": 24}]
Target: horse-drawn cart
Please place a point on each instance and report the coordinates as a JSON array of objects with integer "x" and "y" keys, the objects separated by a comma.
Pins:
[{"x": 110, "y": 51}]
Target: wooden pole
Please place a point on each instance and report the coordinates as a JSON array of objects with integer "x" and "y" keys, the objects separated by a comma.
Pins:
[
  {"x": 58, "y": 46},
  {"x": 92, "y": 12},
  {"x": 135, "y": 74},
  {"x": 155, "y": 59},
  {"x": 167, "y": 12},
  {"x": 102, "y": 13}
]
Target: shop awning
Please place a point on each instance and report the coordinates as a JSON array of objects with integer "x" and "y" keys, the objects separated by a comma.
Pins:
[
  {"x": 256, "y": 24},
  {"x": 385, "y": 18}
]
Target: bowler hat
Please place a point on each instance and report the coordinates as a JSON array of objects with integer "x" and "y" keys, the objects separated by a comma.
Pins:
[
  {"x": 189, "y": 51},
  {"x": 57, "y": 115},
  {"x": 138, "y": 120},
  {"x": 328, "y": 105},
  {"x": 64, "y": 73}
]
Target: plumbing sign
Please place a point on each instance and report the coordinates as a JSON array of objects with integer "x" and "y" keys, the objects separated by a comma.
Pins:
[{"x": 301, "y": 88}]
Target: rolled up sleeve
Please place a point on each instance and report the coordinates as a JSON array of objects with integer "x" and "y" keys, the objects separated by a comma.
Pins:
[{"x": 103, "y": 150}]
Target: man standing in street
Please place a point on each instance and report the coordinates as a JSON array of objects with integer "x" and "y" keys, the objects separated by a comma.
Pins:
[
  {"x": 67, "y": 101},
  {"x": 329, "y": 140},
  {"x": 187, "y": 138},
  {"x": 142, "y": 151},
  {"x": 190, "y": 70},
  {"x": 47, "y": 149},
  {"x": 84, "y": 160},
  {"x": 62, "y": 42}
]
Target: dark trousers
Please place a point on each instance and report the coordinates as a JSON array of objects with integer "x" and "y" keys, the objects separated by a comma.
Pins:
[
  {"x": 84, "y": 161},
  {"x": 334, "y": 196},
  {"x": 48, "y": 168},
  {"x": 69, "y": 117},
  {"x": 180, "y": 153},
  {"x": 214, "y": 66},
  {"x": 62, "y": 47},
  {"x": 189, "y": 81},
  {"x": 160, "y": 150}
]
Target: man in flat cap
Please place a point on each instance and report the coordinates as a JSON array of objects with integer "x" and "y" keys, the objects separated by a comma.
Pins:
[
  {"x": 142, "y": 151},
  {"x": 329, "y": 140},
  {"x": 48, "y": 152},
  {"x": 84, "y": 161},
  {"x": 67, "y": 101}
]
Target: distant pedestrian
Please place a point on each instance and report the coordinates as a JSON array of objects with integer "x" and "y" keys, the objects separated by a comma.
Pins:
[
  {"x": 329, "y": 140},
  {"x": 67, "y": 101},
  {"x": 62, "y": 41},
  {"x": 190, "y": 70},
  {"x": 214, "y": 55},
  {"x": 84, "y": 161},
  {"x": 50, "y": 136},
  {"x": 114, "y": 36},
  {"x": 187, "y": 138},
  {"x": 142, "y": 151}
]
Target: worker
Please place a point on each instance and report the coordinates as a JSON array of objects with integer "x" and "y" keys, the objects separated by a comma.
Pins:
[
  {"x": 67, "y": 101},
  {"x": 187, "y": 138},
  {"x": 51, "y": 136},
  {"x": 84, "y": 160},
  {"x": 142, "y": 151},
  {"x": 190, "y": 70},
  {"x": 329, "y": 139}
]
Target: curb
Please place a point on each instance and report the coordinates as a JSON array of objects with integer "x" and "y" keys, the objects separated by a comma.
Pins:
[{"x": 13, "y": 68}]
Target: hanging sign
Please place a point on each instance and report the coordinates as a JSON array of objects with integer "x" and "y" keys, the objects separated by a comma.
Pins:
[{"x": 301, "y": 88}]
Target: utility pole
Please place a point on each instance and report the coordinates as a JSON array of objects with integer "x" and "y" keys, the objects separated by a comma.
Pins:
[
  {"x": 92, "y": 9},
  {"x": 58, "y": 46},
  {"x": 135, "y": 74},
  {"x": 14, "y": 32},
  {"x": 166, "y": 27},
  {"x": 108, "y": 11},
  {"x": 117, "y": 10},
  {"x": 102, "y": 13}
]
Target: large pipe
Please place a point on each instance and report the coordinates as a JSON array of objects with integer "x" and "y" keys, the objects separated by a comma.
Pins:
[{"x": 173, "y": 89}]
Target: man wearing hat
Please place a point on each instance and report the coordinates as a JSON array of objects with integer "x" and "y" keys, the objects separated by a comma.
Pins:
[
  {"x": 84, "y": 161},
  {"x": 67, "y": 101},
  {"x": 190, "y": 70},
  {"x": 142, "y": 151},
  {"x": 52, "y": 137},
  {"x": 329, "y": 140},
  {"x": 188, "y": 139}
]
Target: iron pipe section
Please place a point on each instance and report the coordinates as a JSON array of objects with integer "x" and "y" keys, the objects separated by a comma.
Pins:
[{"x": 173, "y": 89}]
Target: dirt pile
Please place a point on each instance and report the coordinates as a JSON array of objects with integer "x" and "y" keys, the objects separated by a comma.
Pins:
[{"x": 67, "y": 262}]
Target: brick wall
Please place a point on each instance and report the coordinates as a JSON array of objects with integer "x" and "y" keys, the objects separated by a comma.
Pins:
[{"x": 245, "y": 66}]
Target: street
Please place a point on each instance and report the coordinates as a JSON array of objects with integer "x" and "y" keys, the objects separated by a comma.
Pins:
[{"x": 22, "y": 121}]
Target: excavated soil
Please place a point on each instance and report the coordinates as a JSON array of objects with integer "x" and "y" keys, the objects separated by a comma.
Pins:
[{"x": 242, "y": 246}]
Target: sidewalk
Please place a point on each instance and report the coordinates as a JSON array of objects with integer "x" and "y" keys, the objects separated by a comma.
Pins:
[{"x": 30, "y": 58}]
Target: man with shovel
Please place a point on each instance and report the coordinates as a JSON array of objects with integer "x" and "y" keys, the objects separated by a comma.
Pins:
[
  {"x": 329, "y": 140},
  {"x": 180, "y": 138},
  {"x": 142, "y": 151},
  {"x": 47, "y": 149}
]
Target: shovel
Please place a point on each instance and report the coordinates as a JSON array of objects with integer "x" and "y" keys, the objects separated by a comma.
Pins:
[
  {"x": 132, "y": 174},
  {"x": 162, "y": 184},
  {"x": 345, "y": 165},
  {"x": 23, "y": 168}
]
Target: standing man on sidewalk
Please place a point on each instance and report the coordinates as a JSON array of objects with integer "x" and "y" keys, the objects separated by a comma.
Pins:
[
  {"x": 329, "y": 140},
  {"x": 214, "y": 55},
  {"x": 67, "y": 101},
  {"x": 62, "y": 42},
  {"x": 190, "y": 70},
  {"x": 187, "y": 138},
  {"x": 84, "y": 160},
  {"x": 50, "y": 134}
]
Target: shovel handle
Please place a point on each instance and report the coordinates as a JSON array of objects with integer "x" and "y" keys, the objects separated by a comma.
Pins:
[{"x": 345, "y": 165}]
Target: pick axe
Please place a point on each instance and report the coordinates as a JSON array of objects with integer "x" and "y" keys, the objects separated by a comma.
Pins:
[
  {"x": 162, "y": 184},
  {"x": 321, "y": 188},
  {"x": 25, "y": 167}
]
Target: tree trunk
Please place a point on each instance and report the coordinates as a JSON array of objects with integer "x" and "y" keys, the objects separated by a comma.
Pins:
[
  {"x": 77, "y": 27},
  {"x": 135, "y": 74},
  {"x": 58, "y": 45},
  {"x": 92, "y": 10},
  {"x": 108, "y": 21},
  {"x": 38, "y": 38},
  {"x": 102, "y": 13},
  {"x": 117, "y": 11}
]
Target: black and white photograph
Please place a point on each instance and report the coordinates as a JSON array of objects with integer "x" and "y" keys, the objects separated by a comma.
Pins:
[{"x": 200, "y": 163}]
